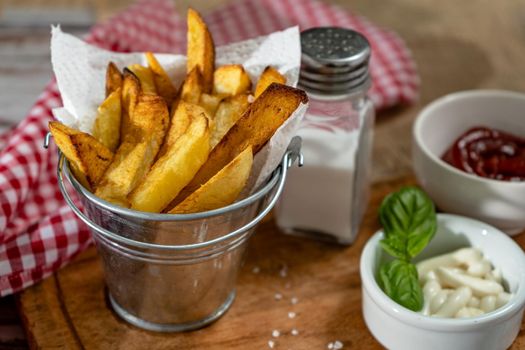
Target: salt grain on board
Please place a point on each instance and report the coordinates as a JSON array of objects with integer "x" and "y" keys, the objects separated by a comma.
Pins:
[
  {"x": 291, "y": 314},
  {"x": 294, "y": 300},
  {"x": 330, "y": 346},
  {"x": 338, "y": 345},
  {"x": 294, "y": 332},
  {"x": 271, "y": 344},
  {"x": 276, "y": 333},
  {"x": 284, "y": 272},
  {"x": 278, "y": 296}
]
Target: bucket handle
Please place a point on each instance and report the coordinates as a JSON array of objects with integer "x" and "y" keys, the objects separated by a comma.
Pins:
[{"x": 293, "y": 153}]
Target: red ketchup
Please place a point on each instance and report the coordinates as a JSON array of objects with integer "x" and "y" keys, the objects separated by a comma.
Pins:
[{"x": 489, "y": 153}]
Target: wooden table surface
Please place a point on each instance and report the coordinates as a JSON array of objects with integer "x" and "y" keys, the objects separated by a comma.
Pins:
[
  {"x": 457, "y": 45},
  {"x": 71, "y": 310},
  {"x": 317, "y": 282},
  {"x": 307, "y": 291}
]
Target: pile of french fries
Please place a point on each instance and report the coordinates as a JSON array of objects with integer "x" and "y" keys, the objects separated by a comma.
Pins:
[{"x": 156, "y": 148}]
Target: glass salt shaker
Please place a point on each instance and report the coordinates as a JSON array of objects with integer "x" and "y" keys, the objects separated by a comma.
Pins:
[{"x": 326, "y": 198}]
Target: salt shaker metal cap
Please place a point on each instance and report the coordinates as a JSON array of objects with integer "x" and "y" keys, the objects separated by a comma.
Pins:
[{"x": 334, "y": 61}]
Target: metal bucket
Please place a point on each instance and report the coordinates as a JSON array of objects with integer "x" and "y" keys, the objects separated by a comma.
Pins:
[{"x": 169, "y": 272}]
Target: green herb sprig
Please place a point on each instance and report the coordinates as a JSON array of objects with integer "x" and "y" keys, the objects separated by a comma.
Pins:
[{"x": 409, "y": 222}]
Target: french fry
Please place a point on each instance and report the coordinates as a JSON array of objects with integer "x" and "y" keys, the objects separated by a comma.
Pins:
[
  {"x": 210, "y": 103},
  {"x": 113, "y": 78},
  {"x": 130, "y": 90},
  {"x": 256, "y": 126},
  {"x": 201, "y": 50},
  {"x": 88, "y": 158},
  {"x": 181, "y": 119},
  {"x": 174, "y": 170},
  {"x": 192, "y": 87},
  {"x": 145, "y": 76},
  {"x": 229, "y": 111},
  {"x": 150, "y": 118},
  {"x": 222, "y": 189},
  {"x": 165, "y": 87},
  {"x": 107, "y": 124},
  {"x": 130, "y": 94},
  {"x": 195, "y": 155},
  {"x": 269, "y": 75},
  {"x": 230, "y": 80},
  {"x": 136, "y": 153}
]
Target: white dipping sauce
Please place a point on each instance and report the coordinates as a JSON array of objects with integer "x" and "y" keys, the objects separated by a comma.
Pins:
[{"x": 461, "y": 284}]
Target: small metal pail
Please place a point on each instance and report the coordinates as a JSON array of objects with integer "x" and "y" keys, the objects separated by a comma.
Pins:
[{"x": 169, "y": 272}]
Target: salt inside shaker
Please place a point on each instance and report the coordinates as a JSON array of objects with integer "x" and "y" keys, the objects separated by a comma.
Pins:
[{"x": 327, "y": 198}]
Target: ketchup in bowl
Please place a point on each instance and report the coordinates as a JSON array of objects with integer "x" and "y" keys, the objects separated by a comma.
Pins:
[{"x": 489, "y": 153}]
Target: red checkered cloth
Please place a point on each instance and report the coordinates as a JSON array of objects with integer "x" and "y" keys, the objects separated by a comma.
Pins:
[{"x": 38, "y": 232}]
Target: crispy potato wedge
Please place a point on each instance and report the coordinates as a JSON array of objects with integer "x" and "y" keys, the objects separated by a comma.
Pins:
[
  {"x": 113, "y": 78},
  {"x": 256, "y": 126},
  {"x": 130, "y": 94},
  {"x": 145, "y": 76},
  {"x": 136, "y": 153},
  {"x": 222, "y": 189},
  {"x": 88, "y": 158},
  {"x": 192, "y": 87},
  {"x": 229, "y": 111},
  {"x": 181, "y": 119},
  {"x": 210, "y": 103},
  {"x": 269, "y": 75},
  {"x": 165, "y": 87},
  {"x": 230, "y": 80},
  {"x": 107, "y": 124},
  {"x": 177, "y": 99},
  {"x": 130, "y": 90},
  {"x": 174, "y": 170},
  {"x": 201, "y": 50}
]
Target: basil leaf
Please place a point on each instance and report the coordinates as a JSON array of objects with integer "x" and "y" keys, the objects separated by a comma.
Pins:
[
  {"x": 395, "y": 247},
  {"x": 409, "y": 222},
  {"x": 399, "y": 280}
]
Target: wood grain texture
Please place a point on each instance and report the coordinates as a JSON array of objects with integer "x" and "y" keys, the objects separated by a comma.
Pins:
[{"x": 71, "y": 309}]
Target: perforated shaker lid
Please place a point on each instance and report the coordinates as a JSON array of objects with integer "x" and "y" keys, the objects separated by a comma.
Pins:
[{"x": 334, "y": 61}]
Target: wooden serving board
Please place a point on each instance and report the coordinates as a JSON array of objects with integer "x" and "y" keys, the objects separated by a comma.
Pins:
[{"x": 70, "y": 309}]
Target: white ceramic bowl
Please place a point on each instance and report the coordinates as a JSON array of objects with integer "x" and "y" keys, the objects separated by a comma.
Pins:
[
  {"x": 396, "y": 327},
  {"x": 499, "y": 203}
]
